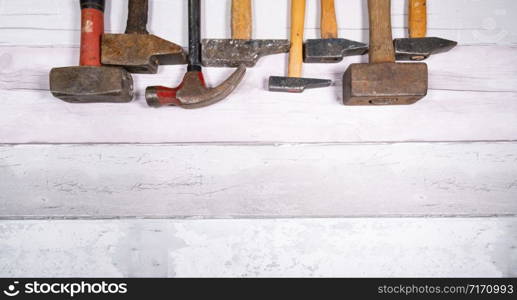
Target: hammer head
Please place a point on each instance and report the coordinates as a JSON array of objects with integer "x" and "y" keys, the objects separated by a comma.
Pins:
[
  {"x": 417, "y": 49},
  {"x": 140, "y": 53},
  {"x": 296, "y": 84},
  {"x": 384, "y": 84},
  {"x": 91, "y": 84},
  {"x": 233, "y": 53},
  {"x": 193, "y": 92},
  {"x": 331, "y": 50}
]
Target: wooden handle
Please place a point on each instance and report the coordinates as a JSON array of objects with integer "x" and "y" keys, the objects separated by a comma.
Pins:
[
  {"x": 417, "y": 18},
  {"x": 381, "y": 39},
  {"x": 297, "y": 27},
  {"x": 241, "y": 19},
  {"x": 137, "y": 17},
  {"x": 92, "y": 28},
  {"x": 329, "y": 29}
]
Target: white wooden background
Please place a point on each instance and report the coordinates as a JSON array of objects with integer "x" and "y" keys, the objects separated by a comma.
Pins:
[{"x": 262, "y": 184}]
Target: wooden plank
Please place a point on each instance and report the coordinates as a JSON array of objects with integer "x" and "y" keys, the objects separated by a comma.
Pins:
[
  {"x": 228, "y": 181},
  {"x": 29, "y": 22},
  {"x": 462, "y": 94},
  {"x": 478, "y": 247}
]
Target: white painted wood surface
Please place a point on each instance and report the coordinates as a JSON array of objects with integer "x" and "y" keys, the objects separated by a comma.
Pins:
[
  {"x": 220, "y": 181},
  {"x": 250, "y": 248},
  {"x": 260, "y": 155},
  {"x": 470, "y": 99}
]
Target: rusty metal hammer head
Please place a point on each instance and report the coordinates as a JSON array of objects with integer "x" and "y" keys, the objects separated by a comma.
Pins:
[
  {"x": 330, "y": 48},
  {"x": 193, "y": 92},
  {"x": 240, "y": 49},
  {"x": 137, "y": 50},
  {"x": 382, "y": 81},
  {"x": 91, "y": 82},
  {"x": 419, "y": 47}
]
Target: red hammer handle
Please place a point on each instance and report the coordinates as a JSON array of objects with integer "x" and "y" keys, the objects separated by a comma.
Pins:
[{"x": 92, "y": 28}]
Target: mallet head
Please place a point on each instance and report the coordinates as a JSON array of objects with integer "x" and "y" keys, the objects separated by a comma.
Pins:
[
  {"x": 140, "y": 53},
  {"x": 331, "y": 50},
  {"x": 417, "y": 49},
  {"x": 193, "y": 92},
  {"x": 385, "y": 83},
  {"x": 296, "y": 84},
  {"x": 91, "y": 84},
  {"x": 235, "y": 52}
]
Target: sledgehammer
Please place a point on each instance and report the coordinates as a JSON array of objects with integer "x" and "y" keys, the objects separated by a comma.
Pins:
[
  {"x": 382, "y": 81},
  {"x": 137, "y": 50},
  {"x": 91, "y": 82},
  {"x": 240, "y": 49},
  {"x": 419, "y": 47}
]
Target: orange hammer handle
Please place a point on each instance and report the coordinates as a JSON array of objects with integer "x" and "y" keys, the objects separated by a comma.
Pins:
[
  {"x": 241, "y": 19},
  {"x": 92, "y": 28},
  {"x": 329, "y": 29},
  {"x": 297, "y": 28},
  {"x": 417, "y": 18}
]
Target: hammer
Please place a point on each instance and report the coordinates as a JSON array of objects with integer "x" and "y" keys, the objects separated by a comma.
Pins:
[
  {"x": 418, "y": 47},
  {"x": 192, "y": 92},
  {"x": 382, "y": 81},
  {"x": 137, "y": 50},
  {"x": 241, "y": 49},
  {"x": 294, "y": 83},
  {"x": 330, "y": 49},
  {"x": 90, "y": 82}
]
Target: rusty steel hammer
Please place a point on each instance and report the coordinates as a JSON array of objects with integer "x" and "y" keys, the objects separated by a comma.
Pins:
[
  {"x": 192, "y": 92},
  {"x": 330, "y": 48},
  {"x": 137, "y": 50},
  {"x": 294, "y": 83},
  {"x": 240, "y": 49},
  {"x": 419, "y": 47},
  {"x": 91, "y": 82},
  {"x": 382, "y": 81}
]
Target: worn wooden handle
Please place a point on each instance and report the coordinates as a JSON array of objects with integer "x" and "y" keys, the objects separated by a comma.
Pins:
[
  {"x": 241, "y": 19},
  {"x": 417, "y": 18},
  {"x": 297, "y": 27},
  {"x": 329, "y": 29},
  {"x": 381, "y": 39},
  {"x": 137, "y": 17}
]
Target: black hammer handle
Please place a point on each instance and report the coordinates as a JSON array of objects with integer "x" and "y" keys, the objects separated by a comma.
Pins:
[
  {"x": 137, "y": 17},
  {"x": 194, "y": 32},
  {"x": 97, "y": 4}
]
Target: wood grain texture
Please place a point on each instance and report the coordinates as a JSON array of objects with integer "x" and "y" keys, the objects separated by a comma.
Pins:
[
  {"x": 381, "y": 39},
  {"x": 297, "y": 37},
  {"x": 329, "y": 27},
  {"x": 477, "y": 247},
  {"x": 417, "y": 18},
  {"x": 467, "y": 101},
  {"x": 219, "y": 181},
  {"x": 242, "y": 19}
]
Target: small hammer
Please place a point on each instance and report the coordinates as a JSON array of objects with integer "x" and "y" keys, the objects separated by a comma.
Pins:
[
  {"x": 90, "y": 82},
  {"x": 330, "y": 49},
  {"x": 382, "y": 81},
  {"x": 241, "y": 49},
  {"x": 418, "y": 47},
  {"x": 294, "y": 83},
  {"x": 192, "y": 92},
  {"x": 137, "y": 50}
]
